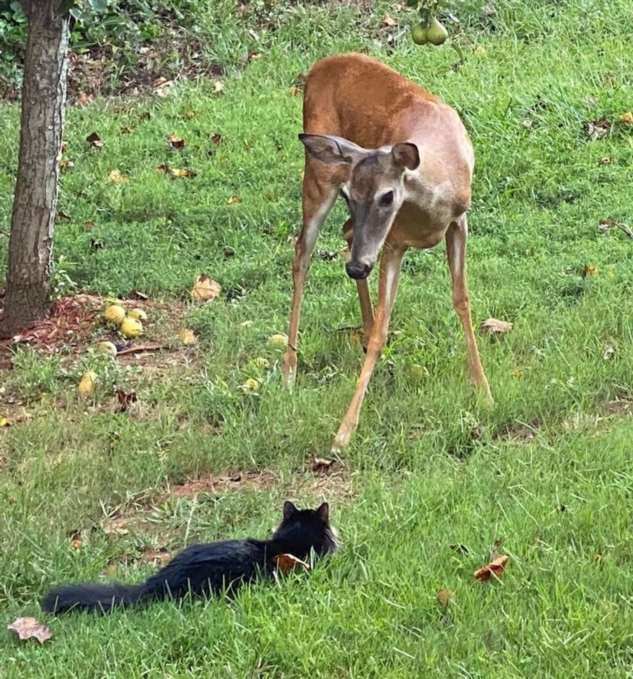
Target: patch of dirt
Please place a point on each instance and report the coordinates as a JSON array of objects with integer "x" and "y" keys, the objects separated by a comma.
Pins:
[
  {"x": 74, "y": 324},
  {"x": 520, "y": 432},
  {"x": 619, "y": 407}
]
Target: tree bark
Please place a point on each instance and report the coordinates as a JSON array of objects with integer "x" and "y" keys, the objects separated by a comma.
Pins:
[{"x": 35, "y": 202}]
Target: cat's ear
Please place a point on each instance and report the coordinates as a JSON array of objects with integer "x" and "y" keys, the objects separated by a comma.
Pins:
[
  {"x": 289, "y": 510},
  {"x": 323, "y": 512}
]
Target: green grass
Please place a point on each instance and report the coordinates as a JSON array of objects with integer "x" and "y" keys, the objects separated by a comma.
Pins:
[{"x": 547, "y": 473}]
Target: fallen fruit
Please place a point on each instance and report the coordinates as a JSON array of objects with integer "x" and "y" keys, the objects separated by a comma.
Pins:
[
  {"x": 114, "y": 313},
  {"x": 138, "y": 314},
  {"x": 205, "y": 289},
  {"x": 251, "y": 385},
  {"x": 107, "y": 348},
  {"x": 187, "y": 337},
  {"x": 436, "y": 33},
  {"x": 131, "y": 328},
  {"x": 418, "y": 372},
  {"x": 419, "y": 34},
  {"x": 278, "y": 341},
  {"x": 87, "y": 384}
]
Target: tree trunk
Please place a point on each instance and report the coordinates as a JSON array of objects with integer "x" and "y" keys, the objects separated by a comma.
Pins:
[{"x": 35, "y": 202}]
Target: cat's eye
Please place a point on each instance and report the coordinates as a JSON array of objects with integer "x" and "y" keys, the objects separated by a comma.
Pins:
[{"x": 386, "y": 199}]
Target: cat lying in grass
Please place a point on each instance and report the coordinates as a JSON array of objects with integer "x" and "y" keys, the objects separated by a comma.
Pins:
[{"x": 208, "y": 569}]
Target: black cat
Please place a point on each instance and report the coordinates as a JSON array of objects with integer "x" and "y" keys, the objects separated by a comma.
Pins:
[{"x": 207, "y": 569}]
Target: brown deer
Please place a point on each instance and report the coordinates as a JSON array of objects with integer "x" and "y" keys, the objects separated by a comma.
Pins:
[{"x": 403, "y": 163}]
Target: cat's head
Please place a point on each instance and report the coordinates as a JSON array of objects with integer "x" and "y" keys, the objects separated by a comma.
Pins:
[{"x": 304, "y": 530}]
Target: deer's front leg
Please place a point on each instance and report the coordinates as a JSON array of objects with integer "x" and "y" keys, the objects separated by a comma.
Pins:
[
  {"x": 456, "y": 237},
  {"x": 318, "y": 197},
  {"x": 387, "y": 289}
]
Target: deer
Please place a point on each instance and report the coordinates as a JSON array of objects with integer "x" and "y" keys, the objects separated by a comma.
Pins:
[{"x": 402, "y": 161}]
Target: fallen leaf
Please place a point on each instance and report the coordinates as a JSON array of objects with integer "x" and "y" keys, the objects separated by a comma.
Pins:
[
  {"x": 95, "y": 140},
  {"x": 286, "y": 563},
  {"x": 321, "y": 465},
  {"x": 627, "y": 118},
  {"x": 205, "y": 289},
  {"x": 125, "y": 399},
  {"x": 462, "y": 550},
  {"x": 162, "y": 86},
  {"x": 181, "y": 172},
  {"x": 597, "y": 129},
  {"x": 117, "y": 177},
  {"x": 233, "y": 200},
  {"x": 295, "y": 91},
  {"x": 187, "y": 337},
  {"x": 66, "y": 164},
  {"x": 493, "y": 569},
  {"x": 176, "y": 142},
  {"x": 589, "y": 270},
  {"x": 445, "y": 597},
  {"x": 216, "y": 138},
  {"x": 218, "y": 87},
  {"x": 30, "y": 628},
  {"x": 493, "y": 326},
  {"x": 609, "y": 352},
  {"x": 89, "y": 226},
  {"x": 389, "y": 21},
  {"x": 84, "y": 99},
  {"x": 254, "y": 56}
]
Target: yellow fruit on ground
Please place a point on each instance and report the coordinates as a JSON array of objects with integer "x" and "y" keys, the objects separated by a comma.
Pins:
[
  {"x": 187, "y": 337},
  {"x": 251, "y": 385},
  {"x": 278, "y": 341},
  {"x": 131, "y": 328},
  {"x": 87, "y": 384},
  {"x": 138, "y": 314},
  {"x": 114, "y": 313},
  {"x": 107, "y": 348}
]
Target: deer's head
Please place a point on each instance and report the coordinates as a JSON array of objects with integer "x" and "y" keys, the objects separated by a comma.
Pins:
[{"x": 374, "y": 190}]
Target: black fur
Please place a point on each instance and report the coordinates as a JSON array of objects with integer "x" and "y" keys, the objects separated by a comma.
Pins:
[{"x": 207, "y": 569}]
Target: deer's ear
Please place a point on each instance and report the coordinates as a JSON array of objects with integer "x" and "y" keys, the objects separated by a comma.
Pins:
[
  {"x": 330, "y": 149},
  {"x": 289, "y": 510},
  {"x": 406, "y": 155}
]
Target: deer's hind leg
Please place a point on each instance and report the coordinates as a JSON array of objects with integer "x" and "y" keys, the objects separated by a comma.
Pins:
[{"x": 319, "y": 193}]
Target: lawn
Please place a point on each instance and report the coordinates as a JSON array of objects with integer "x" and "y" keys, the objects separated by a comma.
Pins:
[{"x": 431, "y": 486}]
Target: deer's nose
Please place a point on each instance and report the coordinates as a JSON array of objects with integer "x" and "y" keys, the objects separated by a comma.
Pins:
[{"x": 358, "y": 271}]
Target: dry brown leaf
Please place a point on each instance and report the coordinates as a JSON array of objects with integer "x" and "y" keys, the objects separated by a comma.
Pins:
[
  {"x": 30, "y": 628},
  {"x": 94, "y": 140},
  {"x": 287, "y": 562},
  {"x": 445, "y": 597},
  {"x": 321, "y": 465},
  {"x": 176, "y": 142},
  {"x": 181, "y": 172},
  {"x": 205, "y": 289},
  {"x": 597, "y": 129},
  {"x": 493, "y": 569},
  {"x": 216, "y": 138},
  {"x": 494, "y": 326}
]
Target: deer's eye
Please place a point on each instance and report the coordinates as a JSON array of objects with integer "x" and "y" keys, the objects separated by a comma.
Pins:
[{"x": 386, "y": 199}]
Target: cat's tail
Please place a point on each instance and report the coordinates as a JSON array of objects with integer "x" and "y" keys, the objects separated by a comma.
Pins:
[{"x": 91, "y": 596}]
